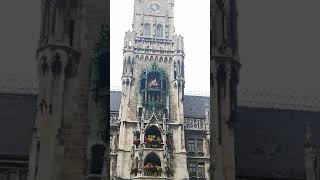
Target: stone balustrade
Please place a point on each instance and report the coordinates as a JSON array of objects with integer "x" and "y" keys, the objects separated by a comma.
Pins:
[{"x": 195, "y": 124}]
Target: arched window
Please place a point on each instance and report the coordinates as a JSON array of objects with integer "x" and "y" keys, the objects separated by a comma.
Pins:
[
  {"x": 159, "y": 31},
  {"x": 152, "y": 165},
  {"x": 97, "y": 159},
  {"x": 147, "y": 30},
  {"x": 152, "y": 137}
]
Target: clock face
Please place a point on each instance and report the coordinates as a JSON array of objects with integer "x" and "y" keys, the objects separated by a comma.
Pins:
[{"x": 154, "y": 7}]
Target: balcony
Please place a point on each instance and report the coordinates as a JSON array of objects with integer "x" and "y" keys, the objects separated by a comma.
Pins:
[
  {"x": 195, "y": 154},
  {"x": 151, "y": 173},
  {"x": 195, "y": 124},
  {"x": 114, "y": 119}
]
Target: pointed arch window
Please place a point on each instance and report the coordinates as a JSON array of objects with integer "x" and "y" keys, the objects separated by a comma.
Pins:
[
  {"x": 152, "y": 165},
  {"x": 97, "y": 159},
  {"x": 159, "y": 31},
  {"x": 147, "y": 29},
  {"x": 153, "y": 137}
]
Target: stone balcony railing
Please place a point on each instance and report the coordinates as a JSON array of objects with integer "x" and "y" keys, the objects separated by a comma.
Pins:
[
  {"x": 114, "y": 119},
  {"x": 195, "y": 124}
]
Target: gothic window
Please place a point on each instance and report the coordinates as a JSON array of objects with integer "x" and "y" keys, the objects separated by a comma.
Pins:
[
  {"x": 221, "y": 78},
  {"x": 140, "y": 111},
  {"x": 159, "y": 31},
  {"x": 192, "y": 168},
  {"x": 56, "y": 65},
  {"x": 147, "y": 29},
  {"x": 152, "y": 137},
  {"x": 191, "y": 145},
  {"x": 97, "y": 159},
  {"x": 196, "y": 169},
  {"x": 71, "y": 32},
  {"x": 195, "y": 147},
  {"x": 71, "y": 68},
  {"x": 152, "y": 165},
  {"x": 201, "y": 170},
  {"x": 199, "y": 145}
]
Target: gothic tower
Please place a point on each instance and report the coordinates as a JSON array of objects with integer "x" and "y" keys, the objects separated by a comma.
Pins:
[
  {"x": 224, "y": 80},
  {"x": 69, "y": 33},
  {"x": 151, "y": 137}
]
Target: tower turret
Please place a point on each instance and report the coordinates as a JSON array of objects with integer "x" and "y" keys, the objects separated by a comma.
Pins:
[{"x": 225, "y": 67}]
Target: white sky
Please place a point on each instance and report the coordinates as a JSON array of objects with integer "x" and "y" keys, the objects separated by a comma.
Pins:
[{"x": 192, "y": 21}]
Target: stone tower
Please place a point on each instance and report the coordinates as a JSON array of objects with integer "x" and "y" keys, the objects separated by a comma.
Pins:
[
  {"x": 151, "y": 136},
  {"x": 224, "y": 80},
  {"x": 61, "y": 149}
]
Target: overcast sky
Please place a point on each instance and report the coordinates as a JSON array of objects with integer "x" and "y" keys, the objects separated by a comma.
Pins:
[
  {"x": 194, "y": 27},
  {"x": 279, "y": 42}
]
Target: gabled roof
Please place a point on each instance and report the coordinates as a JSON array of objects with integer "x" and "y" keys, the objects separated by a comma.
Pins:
[{"x": 16, "y": 117}]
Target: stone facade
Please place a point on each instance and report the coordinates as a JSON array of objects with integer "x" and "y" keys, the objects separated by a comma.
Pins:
[
  {"x": 149, "y": 141},
  {"x": 225, "y": 67},
  {"x": 196, "y": 129},
  {"x": 69, "y": 32}
]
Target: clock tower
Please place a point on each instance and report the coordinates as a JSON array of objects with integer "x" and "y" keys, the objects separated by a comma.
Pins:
[{"x": 150, "y": 140}]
